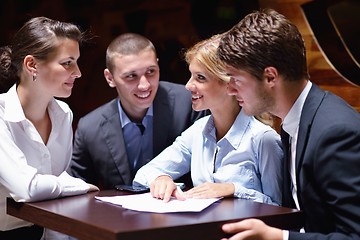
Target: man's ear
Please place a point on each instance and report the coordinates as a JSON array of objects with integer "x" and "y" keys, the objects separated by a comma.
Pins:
[
  {"x": 270, "y": 75},
  {"x": 30, "y": 64},
  {"x": 109, "y": 78}
]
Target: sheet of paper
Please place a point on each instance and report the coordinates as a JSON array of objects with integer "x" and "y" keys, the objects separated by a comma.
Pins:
[{"x": 146, "y": 203}]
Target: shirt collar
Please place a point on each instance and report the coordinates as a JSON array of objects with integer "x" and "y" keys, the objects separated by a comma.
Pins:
[
  {"x": 124, "y": 119},
  {"x": 292, "y": 119},
  {"x": 14, "y": 112},
  {"x": 235, "y": 133}
]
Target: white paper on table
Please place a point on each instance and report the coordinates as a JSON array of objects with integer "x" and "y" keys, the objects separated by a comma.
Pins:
[{"x": 146, "y": 203}]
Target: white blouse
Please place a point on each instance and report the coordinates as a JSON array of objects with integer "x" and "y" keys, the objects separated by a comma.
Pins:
[{"x": 31, "y": 170}]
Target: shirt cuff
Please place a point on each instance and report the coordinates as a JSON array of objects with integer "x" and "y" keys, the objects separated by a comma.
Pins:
[
  {"x": 285, "y": 235},
  {"x": 72, "y": 186}
]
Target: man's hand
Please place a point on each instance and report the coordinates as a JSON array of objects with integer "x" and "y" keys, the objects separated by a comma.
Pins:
[
  {"x": 251, "y": 229},
  {"x": 163, "y": 187}
]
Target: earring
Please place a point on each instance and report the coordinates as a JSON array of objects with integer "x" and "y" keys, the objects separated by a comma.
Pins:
[{"x": 34, "y": 77}]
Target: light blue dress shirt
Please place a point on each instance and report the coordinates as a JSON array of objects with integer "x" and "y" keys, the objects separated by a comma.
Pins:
[
  {"x": 139, "y": 147},
  {"x": 249, "y": 156}
]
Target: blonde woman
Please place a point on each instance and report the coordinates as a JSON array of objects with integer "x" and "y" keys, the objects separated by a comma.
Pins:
[{"x": 228, "y": 153}]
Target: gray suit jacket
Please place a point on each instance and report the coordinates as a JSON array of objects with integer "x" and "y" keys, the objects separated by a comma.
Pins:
[
  {"x": 328, "y": 168},
  {"x": 99, "y": 154}
]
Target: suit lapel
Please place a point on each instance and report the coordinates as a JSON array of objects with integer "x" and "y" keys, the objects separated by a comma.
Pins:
[
  {"x": 162, "y": 119},
  {"x": 114, "y": 140},
  {"x": 311, "y": 105}
]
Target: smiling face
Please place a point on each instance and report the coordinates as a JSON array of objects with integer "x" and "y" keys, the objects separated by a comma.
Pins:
[
  {"x": 57, "y": 74},
  {"x": 207, "y": 90},
  {"x": 136, "y": 78}
]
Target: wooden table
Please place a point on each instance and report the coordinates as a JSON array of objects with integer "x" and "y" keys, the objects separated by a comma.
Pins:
[{"x": 86, "y": 218}]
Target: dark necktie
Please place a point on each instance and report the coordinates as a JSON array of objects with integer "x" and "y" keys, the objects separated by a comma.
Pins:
[
  {"x": 141, "y": 127},
  {"x": 288, "y": 200},
  {"x": 139, "y": 162}
]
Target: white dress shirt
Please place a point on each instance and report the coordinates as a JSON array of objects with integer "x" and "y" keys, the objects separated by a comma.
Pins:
[
  {"x": 31, "y": 170},
  {"x": 291, "y": 126}
]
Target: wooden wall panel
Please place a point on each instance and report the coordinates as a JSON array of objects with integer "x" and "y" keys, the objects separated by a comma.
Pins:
[
  {"x": 172, "y": 25},
  {"x": 321, "y": 71}
]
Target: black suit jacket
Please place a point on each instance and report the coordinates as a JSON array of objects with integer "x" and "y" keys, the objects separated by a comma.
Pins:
[
  {"x": 99, "y": 154},
  {"x": 328, "y": 168}
]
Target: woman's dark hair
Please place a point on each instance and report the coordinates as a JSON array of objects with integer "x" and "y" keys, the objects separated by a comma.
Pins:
[{"x": 38, "y": 37}]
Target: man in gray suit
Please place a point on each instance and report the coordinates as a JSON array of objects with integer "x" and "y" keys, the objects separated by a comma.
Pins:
[{"x": 112, "y": 142}]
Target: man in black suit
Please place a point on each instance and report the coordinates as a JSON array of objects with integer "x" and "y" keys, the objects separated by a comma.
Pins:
[
  {"x": 266, "y": 60},
  {"x": 116, "y": 139}
]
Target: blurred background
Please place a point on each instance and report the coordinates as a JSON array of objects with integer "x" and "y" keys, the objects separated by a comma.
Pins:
[{"x": 172, "y": 25}]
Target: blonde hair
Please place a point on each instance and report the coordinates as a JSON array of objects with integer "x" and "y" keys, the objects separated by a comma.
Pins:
[
  {"x": 205, "y": 52},
  {"x": 266, "y": 118}
]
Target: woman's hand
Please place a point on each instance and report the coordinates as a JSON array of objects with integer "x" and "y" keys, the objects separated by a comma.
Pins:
[
  {"x": 92, "y": 188},
  {"x": 163, "y": 187},
  {"x": 211, "y": 190}
]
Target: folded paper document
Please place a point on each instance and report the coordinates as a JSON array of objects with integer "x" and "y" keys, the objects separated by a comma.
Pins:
[{"x": 146, "y": 203}]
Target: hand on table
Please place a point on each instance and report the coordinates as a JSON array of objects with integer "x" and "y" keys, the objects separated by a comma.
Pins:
[
  {"x": 253, "y": 229},
  {"x": 92, "y": 188},
  {"x": 163, "y": 187},
  {"x": 211, "y": 190}
]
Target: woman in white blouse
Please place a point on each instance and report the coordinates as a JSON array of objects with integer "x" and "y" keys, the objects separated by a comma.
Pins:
[
  {"x": 35, "y": 128},
  {"x": 228, "y": 153}
]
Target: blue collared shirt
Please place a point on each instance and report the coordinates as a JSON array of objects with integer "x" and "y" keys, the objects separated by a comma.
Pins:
[
  {"x": 249, "y": 156},
  {"x": 139, "y": 147}
]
